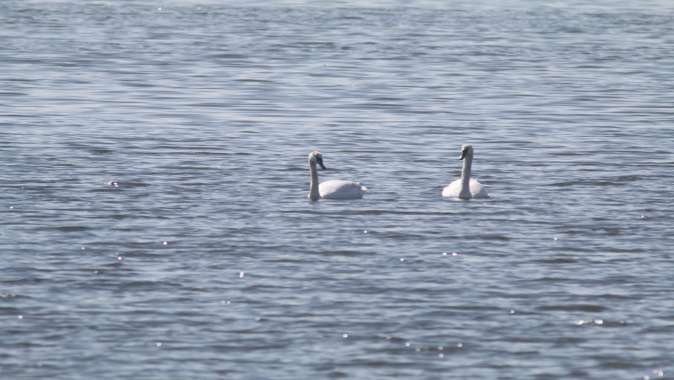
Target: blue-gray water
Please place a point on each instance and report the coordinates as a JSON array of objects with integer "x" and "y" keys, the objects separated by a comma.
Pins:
[{"x": 153, "y": 179}]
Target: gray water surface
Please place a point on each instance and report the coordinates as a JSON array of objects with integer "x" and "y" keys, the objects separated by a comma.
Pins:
[{"x": 153, "y": 180}]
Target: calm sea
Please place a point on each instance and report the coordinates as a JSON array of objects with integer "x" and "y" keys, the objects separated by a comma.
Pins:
[{"x": 153, "y": 178}]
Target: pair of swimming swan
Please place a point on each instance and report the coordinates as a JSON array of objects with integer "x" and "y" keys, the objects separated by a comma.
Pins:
[{"x": 465, "y": 187}]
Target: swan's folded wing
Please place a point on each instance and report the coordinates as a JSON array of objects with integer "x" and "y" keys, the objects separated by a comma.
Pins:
[
  {"x": 478, "y": 190},
  {"x": 452, "y": 190},
  {"x": 338, "y": 189}
]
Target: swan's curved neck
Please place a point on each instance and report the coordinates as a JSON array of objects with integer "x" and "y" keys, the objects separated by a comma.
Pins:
[
  {"x": 313, "y": 186},
  {"x": 465, "y": 176}
]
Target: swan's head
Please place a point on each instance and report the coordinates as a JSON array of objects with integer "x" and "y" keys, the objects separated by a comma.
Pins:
[
  {"x": 466, "y": 151},
  {"x": 316, "y": 157}
]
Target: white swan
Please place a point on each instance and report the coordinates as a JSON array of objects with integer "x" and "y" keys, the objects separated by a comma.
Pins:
[
  {"x": 334, "y": 189},
  {"x": 465, "y": 187}
]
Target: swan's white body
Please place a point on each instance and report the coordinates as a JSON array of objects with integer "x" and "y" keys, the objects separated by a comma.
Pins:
[
  {"x": 465, "y": 187},
  {"x": 475, "y": 189},
  {"x": 333, "y": 189},
  {"x": 339, "y": 189}
]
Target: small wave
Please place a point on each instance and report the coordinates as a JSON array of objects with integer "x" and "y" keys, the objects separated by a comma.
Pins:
[
  {"x": 590, "y": 308},
  {"x": 558, "y": 260},
  {"x": 602, "y": 182}
]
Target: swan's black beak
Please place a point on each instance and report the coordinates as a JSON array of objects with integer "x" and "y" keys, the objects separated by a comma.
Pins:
[
  {"x": 463, "y": 154},
  {"x": 319, "y": 161}
]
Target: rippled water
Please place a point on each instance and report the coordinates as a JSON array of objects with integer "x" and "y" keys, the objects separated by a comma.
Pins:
[{"x": 153, "y": 190}]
